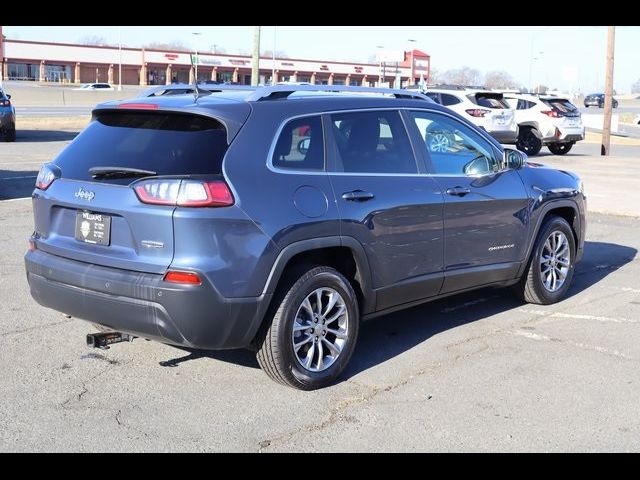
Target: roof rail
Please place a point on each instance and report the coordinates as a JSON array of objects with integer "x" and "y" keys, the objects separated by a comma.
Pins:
[
  {"x": 447, "y": 86},
  {"x": 276, "y": 92}
]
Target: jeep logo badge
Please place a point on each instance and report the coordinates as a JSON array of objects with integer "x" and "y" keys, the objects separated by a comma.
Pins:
[{"x": 85, "y": 194}]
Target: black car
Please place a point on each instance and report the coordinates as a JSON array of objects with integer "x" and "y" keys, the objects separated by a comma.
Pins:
[
  {"x": 279, "y": 219},
  {"x": 597, "y": 100}
]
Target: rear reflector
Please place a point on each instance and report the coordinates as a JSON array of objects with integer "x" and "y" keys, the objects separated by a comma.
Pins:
[
  {"x": 189, "y": 278},
  {"x": 32, "y": 246},
  {"x": 184, "y": 193},
  {"x": 139, "y": 106}
]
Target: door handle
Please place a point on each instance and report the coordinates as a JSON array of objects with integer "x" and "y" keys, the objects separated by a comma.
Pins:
[
  {"x": 358, "y": 196},
  {"x": 458, "y": 191}
]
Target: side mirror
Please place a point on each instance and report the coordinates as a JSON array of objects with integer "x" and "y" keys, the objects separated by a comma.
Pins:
[
  {"x": 513, "y": 159},
  {"x": 303, "y": 145},
  {"x": 8, "y": 96}
]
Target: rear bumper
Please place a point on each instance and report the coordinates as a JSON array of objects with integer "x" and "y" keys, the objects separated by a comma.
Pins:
[
  {"x": 143, "y": 304},
  {"x": 505, "y": 136},
  {"x": 565, "y": 135}
]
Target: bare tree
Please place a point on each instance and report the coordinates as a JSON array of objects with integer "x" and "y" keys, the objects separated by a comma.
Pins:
[
  {"x": 93, "y": 40},
  {"x": 635, "y": 88},
  {"x": 462, "y": 76},
  {"x": 434, "y": 76},
  {"x": 499, "y": 79},
  {"x": 172, "y": 45}
]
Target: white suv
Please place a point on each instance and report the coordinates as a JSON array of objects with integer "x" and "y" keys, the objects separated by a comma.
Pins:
[
  {"x": 546, "y": 120},
  {"x": 485, "y": 108}
]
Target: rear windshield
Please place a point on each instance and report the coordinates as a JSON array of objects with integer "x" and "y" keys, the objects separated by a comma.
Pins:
[
  {"x": 168, "y": 144},
  {"x": 564, "y": 106},
  {"x": 490, "y": 100}
]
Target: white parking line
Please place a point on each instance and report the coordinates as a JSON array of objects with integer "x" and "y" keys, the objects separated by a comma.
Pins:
[
  {"x": 585, "y": 346},
  {"x": 544, "y": 313},
  {"x": 625, "y": 289},
  {"x": 20, "y": 162},
  {"x": 15, "y": 199}
]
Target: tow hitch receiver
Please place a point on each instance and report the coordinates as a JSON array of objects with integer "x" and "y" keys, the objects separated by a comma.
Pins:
[{"x": 104, "y": 339}]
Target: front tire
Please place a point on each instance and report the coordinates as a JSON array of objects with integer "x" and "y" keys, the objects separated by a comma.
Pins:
[
  {"x": 311, "y": 336},
  {"x": 552, "y": 263},
  {"x": 528, "y": 142},
  {"x": 560, "y": 148}
]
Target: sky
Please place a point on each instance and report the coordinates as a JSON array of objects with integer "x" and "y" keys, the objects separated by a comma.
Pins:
[{"x": 559, "y": 57}]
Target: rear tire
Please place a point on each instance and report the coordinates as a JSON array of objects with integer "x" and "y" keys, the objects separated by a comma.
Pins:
[
  {"x": 528, "y": 142},
  {"x": 308, "y": 342},
  {"x": 560, "y": 148},
  {"x": 539, "y": 284}
]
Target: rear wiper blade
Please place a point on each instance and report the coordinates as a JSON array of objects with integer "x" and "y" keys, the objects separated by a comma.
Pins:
[{"x": 119, "y": 172}]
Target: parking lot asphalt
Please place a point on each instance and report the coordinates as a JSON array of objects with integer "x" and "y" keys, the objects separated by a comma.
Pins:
[{"x": 477, "y": 372}]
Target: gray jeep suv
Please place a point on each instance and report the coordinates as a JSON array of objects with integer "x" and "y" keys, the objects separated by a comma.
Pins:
[{"x": 279, "y": 219}]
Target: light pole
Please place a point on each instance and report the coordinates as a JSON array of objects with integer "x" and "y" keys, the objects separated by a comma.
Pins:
[
  {"x": 197, "y": 60},
  {"x": 413, "y": 75},
  {"x": 532, "y": 60}
]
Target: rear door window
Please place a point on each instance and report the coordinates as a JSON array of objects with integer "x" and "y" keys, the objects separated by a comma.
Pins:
[
  {"x": 168, "y": 144},
  {"x": 372, "y": 142},
  {"x": 448, "y": 99},
  {"x": 525, "y": 104},
  {"x": 434, "y": 96},
  {"x": 300, "y": 145}
]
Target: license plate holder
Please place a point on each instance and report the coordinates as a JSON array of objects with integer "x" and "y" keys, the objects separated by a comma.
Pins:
[{"x": 94, "y": 228}]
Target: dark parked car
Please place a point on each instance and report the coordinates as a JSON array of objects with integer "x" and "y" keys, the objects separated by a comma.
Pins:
[
  {"x": 597, "y": 100},
  {"x": 7, "y": 118},
  {"x": 279, "y": 219}
]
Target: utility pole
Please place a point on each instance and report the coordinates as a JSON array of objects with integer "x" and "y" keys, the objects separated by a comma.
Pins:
[
  {"x": 608, "y": 93},
  {"x": 1, "y": 56},
  {"x": 119, "y": 59},
  {"x": 273, "y": 57},
  {"x": 255, "y": 64}
]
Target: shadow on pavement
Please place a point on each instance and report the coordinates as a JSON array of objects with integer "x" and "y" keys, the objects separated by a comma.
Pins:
[
  {"x": 45, "y": 135},
  {"x": 17, "y": 183},
  {"x": 391, "y": 335}
]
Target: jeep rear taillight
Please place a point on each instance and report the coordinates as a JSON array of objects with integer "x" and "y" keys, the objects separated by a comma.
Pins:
[
  {"x": 5, "y": 103},
  {"x": 45, "y": 177},
  {"x": 184, "y": 193},
  {"x": 477, "y": 112}
]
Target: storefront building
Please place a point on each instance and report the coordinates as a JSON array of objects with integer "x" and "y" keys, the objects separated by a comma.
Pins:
[{"x": 68, "y": 63}]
